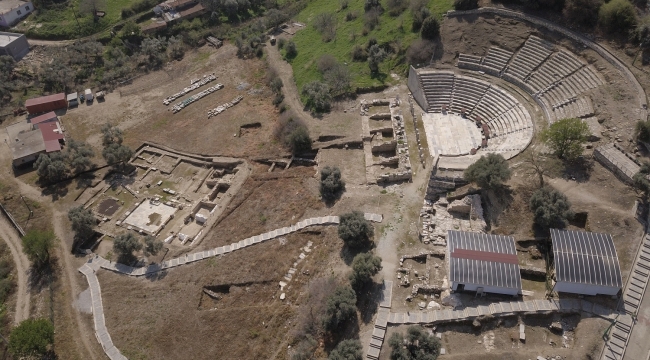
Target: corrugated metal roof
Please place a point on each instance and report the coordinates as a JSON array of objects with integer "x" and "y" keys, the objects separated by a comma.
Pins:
[
  {"x": 43, "y": 118},
  {"x": 52, "y": 145},
  {"x": 51, "y": 131},
  {"x": 483, "y": 259},
  {"x": 45, "y": 99},
  {"x": 585, "y": 258}
]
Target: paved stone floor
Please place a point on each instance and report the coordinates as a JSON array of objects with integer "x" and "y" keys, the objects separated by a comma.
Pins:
[{"x": 450, "y": 134}]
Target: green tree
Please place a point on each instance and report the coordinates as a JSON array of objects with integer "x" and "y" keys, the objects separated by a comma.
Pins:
[
  {"x": 617, "y": 16},
  {"x": 641, "y": 182},
  {"x": 642, "y": 131},
  {"x": 419, "y": 12},
  {"x": 350, "y": 349},
  {"x": 290, "y": 49},
  {"x": 355, "y": 230},
  {"x": 300, "y": 141},
  {"x": 566, "y": 137},
  {"x": 78, "y": 155},
  {"x": 32, "y": 338},
  {"x": 317, "y": 96},
  {"x": 430, "y": 28},
  {"x": 125, "y": 244},
  {"x": 152, "y": 246},
  {"x": 489, "y": 172},
  {"x": 111, "y": 135},
  {"x": 114, "y": 151},
  {"x": 37, "y": 245},
  {"x": 331, "y": 183},
  {"x": 364, "y": 267},
  {"x": 83, "y": 221},
  {"x": 583, "y": 12},
  {"x": 417, "y": 345},
  {"x": 341, "y": 307},
  {"x": 375, "y": 56},
  {"x": 7, "y": 65},
  {"x": 51, "y": 168},
  {"x": 550, "y": 208}
]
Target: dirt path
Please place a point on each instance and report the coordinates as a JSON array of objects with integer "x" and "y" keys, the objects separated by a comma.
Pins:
[
  {"x": 10, "y": 236},
  {"x": 285, "y": 72}
]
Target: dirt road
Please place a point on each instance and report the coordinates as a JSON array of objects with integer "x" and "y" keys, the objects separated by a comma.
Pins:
[{"x": 10, "y": 236}]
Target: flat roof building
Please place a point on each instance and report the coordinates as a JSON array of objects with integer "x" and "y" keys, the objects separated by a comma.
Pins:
[
  {"x": 585, "y": 263},
  {"x": 26, "y": 147},
  {"x": 483, "y": 263},
  {"x": 11, "y": 11},
  {"x": 14, "y": 45}
]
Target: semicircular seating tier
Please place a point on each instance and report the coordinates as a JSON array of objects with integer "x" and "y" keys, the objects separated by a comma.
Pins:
[
  {"x": 557, "y": 79},
  {"x": 506, "y": 126}
]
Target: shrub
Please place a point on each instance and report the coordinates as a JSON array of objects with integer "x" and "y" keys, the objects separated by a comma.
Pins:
[
  {"x": 359, "y": 53},
  {"x": 364, "y": 267},
  {"x": 32, "y": 338},
  {"x": 281, "y": 43},
  {"x": 419, "y": 12},
  {"x": 355, "y": 230},
  {"x": 331, "y": 184},
  {"x": 37, "y": 245},
  {"x": 582, "y": 12},
  {"x": 299, "y": 140},
  {"x": 325, "y": 63},
  {"x": 396, "y": 7},
  {"x": 309, "y": 322},
  {"x": 566, "y": 137},
  {"x": 420, "y": 52},
  {"x": 617, "y": 16},
  {"x": 351, "y": 15},
  {"x": 430, "y": 28},
  {"x": 640, "y": 180},
  {"x": 465, "y": 4},
  {"x": 325, "y": 23},
  {"x": 350, "y": 349},
  {"x": 418, "y": 345},
  {"x": 338, "y": 78},
  {"x": 371, "y": 19},
  {"x": 370, "y": 5},
  {"x": 642, "y": 131},
  {"x": 488, "y": 172},
  {"x": 375, "y": 56},
  {"x": 341, "y": 307},
  {"x": 344, "y": 4},
  {"x": 550, "y": 208},
  {"x": 290, "y": 49},
  {"x": 317, "y": 96}
]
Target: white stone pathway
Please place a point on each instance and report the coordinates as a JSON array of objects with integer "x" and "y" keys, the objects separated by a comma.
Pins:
[{"x": 89, "y": 269}]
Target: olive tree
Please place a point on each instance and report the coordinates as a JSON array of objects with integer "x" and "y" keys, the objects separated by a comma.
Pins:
[
  {"x": 83, "y": 221},
  {"x": 125, "y": 244},
  {"x": 489, "y": 172},
  {"x": 418, "y": 344},
  {"x": 331, "y": 183},
  {"x": 566, "y": 137},
  {"x": 32, "y": 338},
  {"x": 550, "y": 208},
  {"x": 355, "y": 230},
  {"x": 341, "y": 307},
  {"x": 317, "y": 96},
  {"x": 37, "y": 246},
  {"x": 350, "y": 349},
  {"x": 364, "y": 267}
]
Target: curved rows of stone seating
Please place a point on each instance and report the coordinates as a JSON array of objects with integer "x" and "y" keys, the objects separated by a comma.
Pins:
[
  {"x": 555, "y": 78},
  {"x": 437, "y": 88},
  {"x": 534, "y": 52},
  {"x": 486, "y": 104}
]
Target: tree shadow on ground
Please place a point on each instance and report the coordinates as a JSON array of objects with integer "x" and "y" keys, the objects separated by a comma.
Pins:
[
  {"x": 368, "y": 300},
  {"x": 157, "y": 275},
  {"x": 39, "y": 278},
  {"x": 495, "y": 202},
  {"x": 578, "y": 170},
  {"x": 56, "y": 191},
  {"x": 348, "y": 253}
]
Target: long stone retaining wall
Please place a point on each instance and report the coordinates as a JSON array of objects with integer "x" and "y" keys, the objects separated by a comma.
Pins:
[
  {"x": 602, "y": 51},
  {"x": 617, "y": 161}
]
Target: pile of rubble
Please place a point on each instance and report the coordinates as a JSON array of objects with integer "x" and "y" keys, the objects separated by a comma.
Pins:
[
  {"x": 219, "y": 109},
  {"x": 178, "y": 107},
  {"x": 437, "y": 217},
  {"x": 194, "y": 84}
]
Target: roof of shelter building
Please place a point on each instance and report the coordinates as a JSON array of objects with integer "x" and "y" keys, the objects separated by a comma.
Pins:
[
  {"x": 44, "y": 99},
  {"x": 27, "y": 143},
  {"x": 483, "y": 259},
  {"x": 194, "y": 9},
  {"x": 7, "y": 38},
  {"x": 585, "y": 258},
  {"x": 8, "y": 5},
  {"x": 51, "y": 131},
  {"x": 43, "y": 118}
]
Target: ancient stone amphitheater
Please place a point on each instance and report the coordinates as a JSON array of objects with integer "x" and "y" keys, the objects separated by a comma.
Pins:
[{"x": 557, "y": 80}]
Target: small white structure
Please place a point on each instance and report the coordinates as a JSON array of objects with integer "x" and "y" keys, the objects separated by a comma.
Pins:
[
  {"x": 200, "y": 218},
  {"x": 11, "y": 11},
  {"x": 585, "y": 263},
  {"x": 483, "y": 263},
  {"x": 88, "y": 94}
]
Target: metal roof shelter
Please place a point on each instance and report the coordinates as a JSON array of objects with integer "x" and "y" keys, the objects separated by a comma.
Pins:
[
  {"x": 483, "y": 262},
  {"x": 585, "y": 263}
]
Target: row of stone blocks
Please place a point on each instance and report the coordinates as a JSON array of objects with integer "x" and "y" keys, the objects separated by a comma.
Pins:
[
  {"x": 222, "y": 250},
  {"x": 381, "y": 323},
  {"x": 101, "y": 332},
  {"x": 619, "y": 335},
  {"x": 500, "y": 309}
]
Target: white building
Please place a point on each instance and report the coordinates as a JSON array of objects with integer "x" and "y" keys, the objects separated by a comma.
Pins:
[
  {"x": 483, "y": 263},
  {"x": 11, "y": 11},
  {"x": 14, "y": 45},
  {"x": 585, "y": 263}
]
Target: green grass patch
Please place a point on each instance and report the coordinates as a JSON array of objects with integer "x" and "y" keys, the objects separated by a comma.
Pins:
[
  {"x": 58, "y": 21},
  {"x": 391, "y": 30}
]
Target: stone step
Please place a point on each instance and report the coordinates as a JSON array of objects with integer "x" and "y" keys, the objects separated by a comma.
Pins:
[{"x": 621, "y": 335}]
